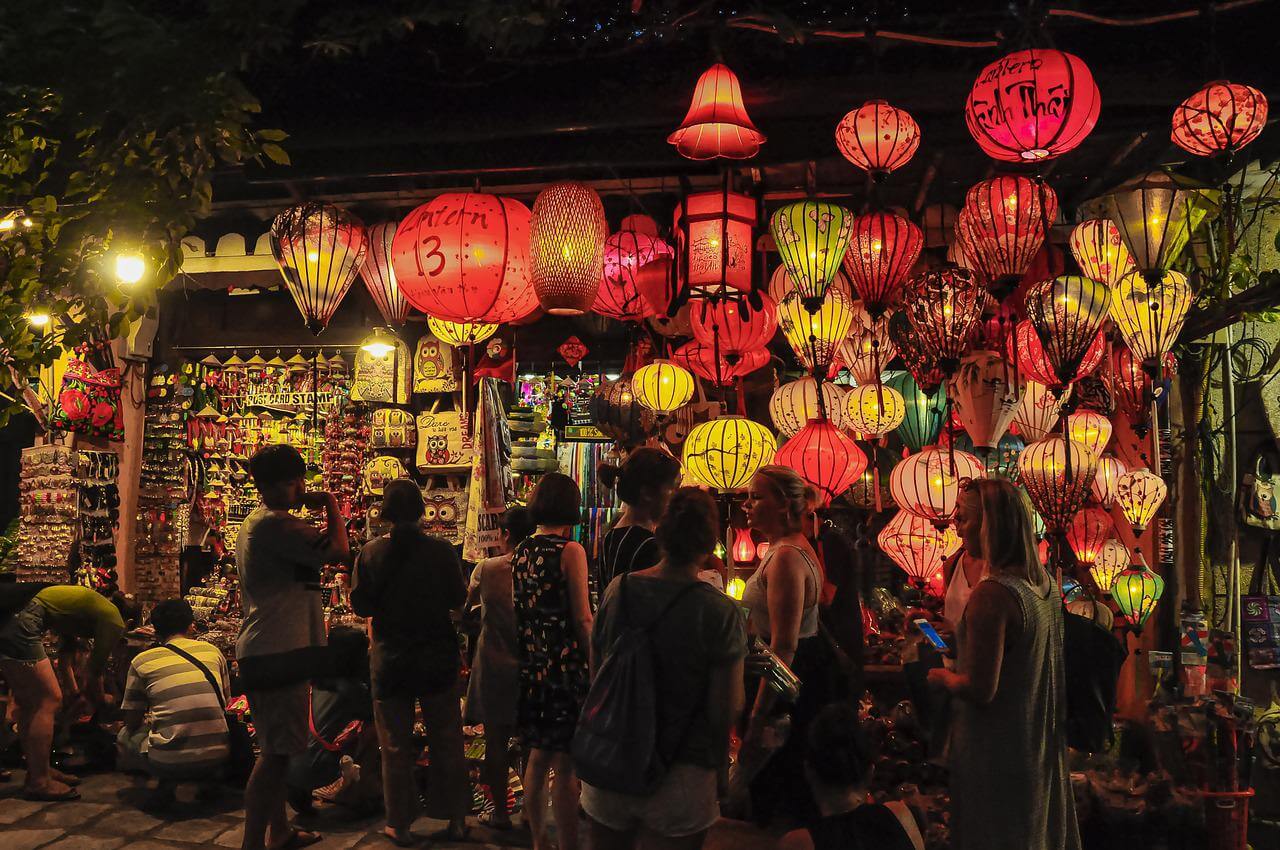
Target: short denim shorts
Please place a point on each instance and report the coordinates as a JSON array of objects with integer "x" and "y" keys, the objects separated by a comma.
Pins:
[{"x": 22, "y": 636}]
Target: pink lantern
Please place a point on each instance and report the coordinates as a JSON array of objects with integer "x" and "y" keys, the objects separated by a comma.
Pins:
[
  {"x": 927, "y": 483},
  {"x": 825, "y": 457},
  {"x": 878, "y": 138},
  {"x": 1220, "y": 118},
  {"x": 1002, "y": 226},
  {"x": 1026, "y": 347},
  {"x": 917, "y": 545},
  {"x": 625, "y": 254},
  {"x": 883, "y": 248}
]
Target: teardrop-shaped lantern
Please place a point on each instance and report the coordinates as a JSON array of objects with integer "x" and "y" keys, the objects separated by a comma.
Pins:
[
  {"x": 812, "y": 237},
  {"x": 944, "y": 308},
  {"x": 662, "y": 386},
  {"x": 1037, "y": 413},
  {"x": 1150, "y": 314},
  {"x": 781, "y": 285},
  {"x": 1140, "y": 493},
  {"x": 927, "y": 483},
  {"x": 459, "y": 333},
  {"x": 921, "y": 364},
  {"x": 825, "y": 457},
  {"x": 319, "y": 248},
  {"x": 816, "y": 335},
  {"x": 917, "y": 545},
  {"x": 986, "y": 395},
  {"x": 380, "y": 277},
  {"x": 1155, "y": 216},
  {"x": 868, "y": 348},
  {"x": 1098, "y": 248},
  {"x": 701, "y": 360},
  {"x": 1057, "y": 476},
  {"x": 731, "y": 323},
  {"x": 1025, "y": 345},
  {"x": 1086, "y": 533},
  {"x": 1067, "y": 313},
  {"x": 1110, "y": 561},
  {"x": 567, "y": 232},
  {"x": 1110, "y": 468},
  {"x": 717, "y": 124},
  {"x": 1002, "y": 226},
  {"x": 1222, "y": 117},
  {"x": 877, "y": 137},
  {"x": 743, "y": 549},
  {"x": 626, "y": 253},
  {"x": 873, "y": 410},
  {"x": 1136, "y": 592},
  {"x": 1032, "y": 105},
  {"x": 1089, "y": 428},
  {"x": 923, "y": 413},
  {"x": 883, "y": 249},
  {"x": 794, "y": 404},
  {"x": 726, "y": 452}
]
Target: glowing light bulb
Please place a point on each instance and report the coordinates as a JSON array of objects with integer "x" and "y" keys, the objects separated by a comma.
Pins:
[
  {"x": 313, "y": 256},
  {"x": 38, "y": 318},
  {"x": 130, "y": 268},
  {"x": 8, "y": 223}
]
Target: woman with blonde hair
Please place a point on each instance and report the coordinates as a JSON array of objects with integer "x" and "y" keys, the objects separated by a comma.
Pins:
[{"x": 1009, "y": 782}]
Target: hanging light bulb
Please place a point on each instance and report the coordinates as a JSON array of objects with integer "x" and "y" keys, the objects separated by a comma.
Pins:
[
  {"x": 1110, "y": 468},
  {"x": 380, "y": 343},
  {"x": 1110, "y": 561},
  {"x": 1140, "y": 493},
  {"x": 883, "y": 248},
  {"x": 319, "y": 248},
  {"x": 717, "y": 124},
  {"x": 868, "y": 348},
  {"x": 1098, "y": 248},
  {"x": 1220, "y": 118},
  {"x": 826, "y": 458},
  {"x": 922, "y": 414},
  {"x": 873, "y": 410},
  {"x": 944, "y": 308},
  {"x": 731, "y": 323},
  {"x": 662, "y": 386},
  {"x": 1067, "y": 313},
  {"x": 1089, "y": 428},
  {"x": 380, "y": 277},
  {"x": 1001, "y": 227},
  {"x": 986, "y": 395},
  {"x": 816, "y": 335},
  {"x": 927, "y": 483},
  {"x": 1149, "y": 315},
  {"x": 1057, "y": 476},
  {"x": 131, "y": 268},
  {"x": 794, "y": 404},
  {"x": 1087, "y": 532},
  {"x": 1136, "y": 592},
  {"x": 812, "y": 237},
  {"x": 878, "y": 138},
  {"x": 726, "y": 452},
  {"x": 567, "y": 231},
  {"x": 917, "y": 545},
  {"x": 1155, "y": 216},
  {"x": 459, "y": 333}
]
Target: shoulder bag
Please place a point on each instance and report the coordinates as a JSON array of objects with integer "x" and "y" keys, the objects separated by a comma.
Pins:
[{"x": 240, "y": 759}]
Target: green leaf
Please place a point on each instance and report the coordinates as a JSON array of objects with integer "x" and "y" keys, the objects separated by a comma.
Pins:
[
  {"x": 272, "y": 135},
  {"x": 276, "y": 154}
]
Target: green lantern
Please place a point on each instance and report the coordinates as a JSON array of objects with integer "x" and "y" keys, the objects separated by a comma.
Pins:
[
  {"x": 1136, "y": 592},
  {"x": 812, "y": 237},
  {"x": 925, "y": 411}
]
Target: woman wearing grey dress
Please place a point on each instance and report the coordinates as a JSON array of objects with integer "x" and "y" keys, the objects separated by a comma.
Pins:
[{"x": 1009, "y": 784}]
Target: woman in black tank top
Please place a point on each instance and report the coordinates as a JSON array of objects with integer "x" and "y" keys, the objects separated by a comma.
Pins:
[{"x": 644, "y": 482}]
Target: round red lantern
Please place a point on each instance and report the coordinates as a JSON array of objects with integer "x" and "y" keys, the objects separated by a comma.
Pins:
[
  {"x": 883, "y": 248},
  {"x": 1222, "y": 117},
  {"x": 1086, "y": 533},
  {"x": 825, "y": 457},
  {"x": 566, "y": 247},
  {"x": 626, "y": 253},
  {"x": 1132, "y": 384},
  {"x": 877, "y": 137},
  {"x": 1032, "y": 105},
  {"x": 732, "y": 324},
  {"x": 1024, "y": 344},
  {"x": 463, "y": 257},
  {"x": 1002, "y": 225},
  {"x": 717, "y": 124},
  {"x": 927, "y": 483}
]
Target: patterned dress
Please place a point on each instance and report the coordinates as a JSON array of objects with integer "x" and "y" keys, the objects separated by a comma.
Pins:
[{"x": 553, "y": 666}]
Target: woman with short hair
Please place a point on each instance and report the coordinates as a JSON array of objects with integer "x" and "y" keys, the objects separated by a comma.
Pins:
[{"x": 644, "y": 482}]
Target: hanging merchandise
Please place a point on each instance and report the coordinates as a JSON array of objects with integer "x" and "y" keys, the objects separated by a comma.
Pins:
[
  {"x": 1098, "y": 248},
  {"x": 918, "y": 546},
  {"x": 380, "y": 471},
  {"x": 815, "y": 334},
  {"x": 566, "y": 247},
  {"x": 380, "y": 277},
  {"x": 717, "y": 125},
  {"x": 1067, "y": 313},
  {"x": 825, "y": 457},
  {"x": 1155, "y": 216},
  {"x": 444, "y": 444},
  {"x": 319, "y": 248},
  {"x": 794, "y": 404},
  {"x": 662, "y": 386},
  {"x": 383, "y": 379},
  {"x": 923, "y": 412},
  {"x": 617, "y": 412},
  {"x": 1149, "y": 313},
  {"x": 985, "y": 392},
  {"x": 457, "y": 334},
  {"x": 944, "y": 308},
  {"x": 49, "y": 514},
  {"x": 1024, "y": 346},
  {"x": 1037, "y": 412},
  {"x": 868, "y": 348},
  {"x": 873, "y": 410},
  {"x": 1032, "y": 105},
  {"x": 715, "y": 249},
  {"x": 812, "y": 237},
  {"x": 89, "y": 399},
  {"x": 1111, "y": 559},
  {"x": 731, "y": 325},
  {"x": 1001, "y": 228},
  {"x": 492, "y": 487},
  {"x": 1088, "y": 530},
  {"x": 626, "y": 254},
  {"x": 927, "y": 483},
  {"x": 1136, "y": 592},
  {"x": 726, "y": 452},
  {"x": 883, "y": 249},
  {"x": 392, "y": 428},
  {"x": 1139, "y": 494},
  {"x": 1057, "y": 476},
  {"x": 878, "y": 138},
  {"x": 446, "y": 511},
  {"x": 1220, "y": 118},
  {"x": 435, "y": 366}
]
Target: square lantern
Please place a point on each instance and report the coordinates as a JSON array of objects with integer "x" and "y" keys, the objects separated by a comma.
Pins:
[{"x": 717, "y": 247}]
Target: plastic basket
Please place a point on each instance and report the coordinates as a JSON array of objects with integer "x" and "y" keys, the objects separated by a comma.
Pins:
[{"x": 1226, "y": 819}]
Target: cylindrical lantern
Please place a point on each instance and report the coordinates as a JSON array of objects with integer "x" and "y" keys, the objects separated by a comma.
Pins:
[
  {"x": 883, "y": 248},
  {"x": 825, "y": 457},
  {"x": 986, "y": 395},
  {"x": 1155, "y": 216},
  {"x": 731, "y": 323},
  {"x": 1150, "y": 313},
  {"x": 794, "y": 404},
  {"x": 944, "y": 308},
  {"x": 780, "y": 285},
  {"x": 1038, "y": 411},
  {"x": 1057, "y": 476},
  {"x": 617, "y": 413},
  {"x": 459, "y": 333},
  {"x": 726, "y": 452},
  {"x": 717, "y": 124},
  {"x": 1140, "y": 493},
  {"x": 1110, "y": 468},
  {"x": 1024, "y": 344},
  {"x": 869, "y": 347},
  {"x": 816, "y": 335},
  {"x": 567, "y": 232},
  {"x": 1098, "y": 248},
  {"x": 873, "y": 410},
  {"x": 1222, "y": 117},
  {"x": 662, "y": 386},
  {"x": 1136, "y": 592},
  {"x": 917, "y": 545},
  {"x": 625, "y": 254},
  {"x": 716, "y": 251},
  {"x": 1067, "y": 313},
  {"x": 877, "y": 137},
  {"x": 927, "y": 483},
  {"x": 319, "y": 248},
  {"x": 464, "y": 257},
  {"x": 812, "y": 237},
  {"x": 1086, "y": 533},
  {"x": 1002, "y": 226},
  {"x": 380, "y": 277},
  {"x": 1110, "y": 561},
  {"x": 743, "y": 549},
  {"x": 923, "y": 412},
  {"x": 1032, "y": 105},
  {"x": 1089, "y": 428}
]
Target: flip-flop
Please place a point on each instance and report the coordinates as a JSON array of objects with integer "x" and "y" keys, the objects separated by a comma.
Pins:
[
  {"x": 50, "y": 796},
  {"x": 296, "y": 840}
]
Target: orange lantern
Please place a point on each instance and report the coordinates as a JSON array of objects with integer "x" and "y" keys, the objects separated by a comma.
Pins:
[
  {"x": 716, "y": 249},
  {"x": 380, "y": 277},
  {"x": 744, "y": 548},
  {"x": 1086, "y": 533},
  {"x": 1024, "y": 345},
  {"x": 567, "y": 232},
  {"x": 1110, "y": 468},
  {"x": 1057, "y": 475},
  {"x": 986, "y": 395},
  {"x": 1220, "y": 118},
  {"x": 877, "y": 137},
  {"x": 1089, "y": 428},
  {"x": 927, "y": 483},
  {"x": 917, "y": 545},
  {"x": 883, "y": 248},
  {"x": 701, "y": 360},
  {"x": 717, "y": 124},
  {"x": 825, "y": 457}
]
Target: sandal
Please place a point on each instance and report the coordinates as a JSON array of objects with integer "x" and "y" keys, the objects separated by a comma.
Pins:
[
  {"x": 405, "y": 840},
  {"x": 68, "y": 779},
  {"x": 51, "y": 796},
  {"x": 298, "y": 839}
]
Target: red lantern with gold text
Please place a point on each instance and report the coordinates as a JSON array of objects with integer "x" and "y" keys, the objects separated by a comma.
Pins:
[
  {"x": 1067, "y": 313},
  {"x": 717, "y": 124},
  {"x": 1002, "y": 226},
  {"x": 917, "y": 546},
  {"x": 463, "y": 257},
  {"x": 877, "y": 137},
  {"x": 1222, "y": 117},
  {"x": 731, "y": 323},
  {"x": 944, "y": 308},
  {"x": 1086, "y": 533},
  {"x": 1057, "y": 476},
  {"x": 825, "y": 457},
  {"x": 1034, "y": 363},
  {"x": 567, "y": 232},
  {"x": 715, "y": 251},
  {"x": 927, "y": 483},
  {"x": 625, "y": 254},
  {"x": 883, "y": 248},
  {"x": 1032, "y": 105}
]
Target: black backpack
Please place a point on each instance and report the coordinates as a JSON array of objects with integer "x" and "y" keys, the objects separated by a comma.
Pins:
[
  {"x": 615, "y": 747},
  {"x": 1092, "y": 660}
]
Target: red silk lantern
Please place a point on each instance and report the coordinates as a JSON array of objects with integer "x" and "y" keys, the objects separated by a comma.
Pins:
[
  {"x": 625, "y": 254},
  {"x": 744, "y": 548},
  {"x": 1057, "y": 476},
  {"x": 1032, "y": 105},
  {"x": 1002, "y": 225},
  {"x": 463, "y": 257},
  {"x": 701, "y": 360},
  {"x": 1086, "y": 533},
  {"x": 1024, "y": 344},
  {"x": 716, "y": 250},
  {"x": 917, "y": 546},
  {"x": 567, "y": 232},
  {"x": 319, "y": 248},
  {"x": 380, "y": 277},
  {"x": 877, "y": 137},
  {"x": 883, "y": 248},
  {"x": 825, "y": 457},
  {"x": 944, "y": 308},
  {"x": 732, "y": 324},
  {"x": 1067, "y": 313},
  {"x": 717, "y": 124},
  {"x": 985, "y": 396},
  {"x": 1220, "y": 118},
  {"x": 927, "y": 483}
]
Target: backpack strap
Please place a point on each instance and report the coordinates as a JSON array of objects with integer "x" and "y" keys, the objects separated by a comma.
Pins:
[{"x": 666, "y": 609}]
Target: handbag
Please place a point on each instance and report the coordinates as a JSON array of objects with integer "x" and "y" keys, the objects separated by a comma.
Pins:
[
  {"x": 1258, "y": 506},
  {"x": 443, "y": 444},
  {"x": 240, "y": 757},
  {"x": 446, "y": 512},
  {"x": 380, "y": 471},
  {"x": 435, "y": 366},
  {"x": 392, "y": 429},
  {"x": 382, "y": 380},
  {"x": 88, "y": 401}
]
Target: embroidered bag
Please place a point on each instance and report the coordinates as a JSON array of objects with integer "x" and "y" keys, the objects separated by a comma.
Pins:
[
  {"x": 382, "y": 380},
  {"x": 89, "y": 399}
]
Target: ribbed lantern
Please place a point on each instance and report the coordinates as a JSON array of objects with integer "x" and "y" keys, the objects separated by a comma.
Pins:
[
  {"x": 927, "y": 483},
  {"x": 825, "y": 457},
  {"x": 794, "y": 404},
  {"x": 917, "y": 546},
  {"x": 460, "y": 333},
  {"x": 1086, "y": 533},
  {"x": 1111, "y": 560},
  {"x": 380, "y": 277},
  {"x": 567, "y": 232},
  {"x": 625, "y": 254},
  {"x": 743, "y": 549},
  {"x": 662, "y": 386},
  {"x": 1150, "y": 314},
  {"x": 873, "y": 410},
  {"x": 780, "y": 285},
  {"x": 1136, "y": 592},
  {"x": 716, "y": 251},
  {"x": 812, "y": 237},
  {"x": 1037, "y": 412},
  {"x": 1098, "y": 248},
  {"x": 616, "y": 411},
  {"x": 877, "y": 137},
  {"x": 1222, "y": 117},
  {"x": 1032, "y": 105},
  {"x": 731, "y": 323},
  {"x": 1132, "y": 384},
  {"x": 923, "y": 413},
  {"x": 726, "y": 452},
  {"x": 1002, "y": 226},
  {"x": 464, "y": 257},
  {"x": 815, "y": 336},
  {"x": 319, "y": 248},
  {"x": 944, "y": 308},
  {"x": 1110, "y": 468},
  {"x": 1089, "y": 428},
  {"x": 1067, "y": 313},
  {"x": 1155, "y": 216},
  {"x": 1002, "y": 460},
  {"x": 1139, "y": 494},
  {"x": 868, "y": 348},
  {"x": 921, "y": 364},
  {"x": 717, "y": 124},
  {"x": 1034, "y": 363},
  {"x": 701, "y": 360},
  {"x": 1057, "y": 476},
  {"x": 985, "y": 394},
  {"x": 883, "y": 248}
]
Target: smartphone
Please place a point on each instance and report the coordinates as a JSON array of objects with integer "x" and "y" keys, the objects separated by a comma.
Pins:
[{"x": 931, "y": 634}]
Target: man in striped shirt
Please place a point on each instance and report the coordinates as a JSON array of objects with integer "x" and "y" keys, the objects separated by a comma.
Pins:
[{"x": 186, "y": 726}]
